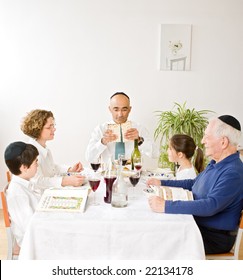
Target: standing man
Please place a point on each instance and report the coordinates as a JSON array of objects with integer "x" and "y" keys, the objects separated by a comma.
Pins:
[
  {"x": 103, "y": 140},
  {"x": 217, "y": 191}
]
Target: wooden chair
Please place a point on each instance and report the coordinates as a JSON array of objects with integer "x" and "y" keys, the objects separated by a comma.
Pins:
[
  {"x": 234, "y": 253},
  {"x": 13, "y": 249},
  {"x": 8, "y": 174}
]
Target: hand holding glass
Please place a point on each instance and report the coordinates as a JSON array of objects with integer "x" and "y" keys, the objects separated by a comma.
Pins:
[{"x": 121, "y": 157}]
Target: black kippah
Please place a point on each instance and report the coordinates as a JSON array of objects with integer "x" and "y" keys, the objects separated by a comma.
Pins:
[
  {"x": 14, "y": 150},
  {"x": 230, "y": 121}
]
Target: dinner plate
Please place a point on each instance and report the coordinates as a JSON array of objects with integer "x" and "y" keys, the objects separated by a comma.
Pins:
[
  {"x": 160, "y": 170},
  {"x": 160, "y": 173},
  {"x": 163, "y": 177},
  {"x": 128, "y": 173}
]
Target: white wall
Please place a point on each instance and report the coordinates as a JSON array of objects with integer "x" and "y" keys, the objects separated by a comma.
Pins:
[{"x": 69, "y": 56}]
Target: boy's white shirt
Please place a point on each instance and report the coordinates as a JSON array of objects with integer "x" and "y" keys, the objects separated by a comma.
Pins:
[{"x": 22, "y": 202}]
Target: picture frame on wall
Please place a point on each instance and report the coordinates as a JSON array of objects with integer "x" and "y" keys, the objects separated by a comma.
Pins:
[{"x": 175, "y": 47}]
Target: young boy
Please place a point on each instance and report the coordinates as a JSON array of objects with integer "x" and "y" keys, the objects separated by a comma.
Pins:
[{"x": 21, "y": 159}]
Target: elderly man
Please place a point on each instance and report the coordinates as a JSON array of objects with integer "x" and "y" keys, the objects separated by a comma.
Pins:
[
  {"x": 217, "y": 191},
  {"x": 103, "y": 140}
]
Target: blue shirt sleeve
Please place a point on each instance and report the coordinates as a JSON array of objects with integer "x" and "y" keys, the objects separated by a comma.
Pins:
[
  {"x": 211, "y": 199},
  {"x": 185, "y": 184}
]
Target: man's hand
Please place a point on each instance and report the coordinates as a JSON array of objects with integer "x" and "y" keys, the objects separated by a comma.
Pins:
[
  {"x": 157, "y": 204},
  {"x": 153, "y": 182},
  {"x": 108, "y": 136},
  {"x": 131, "y": 134}
]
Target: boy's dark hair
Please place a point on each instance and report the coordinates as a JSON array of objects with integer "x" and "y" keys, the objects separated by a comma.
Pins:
[
  {"x": 120, "y": 93},
  {"x": 18, "y": 153}
]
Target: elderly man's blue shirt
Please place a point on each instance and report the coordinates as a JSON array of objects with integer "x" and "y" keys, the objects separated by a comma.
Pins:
[{"x": 218, "y": 194}]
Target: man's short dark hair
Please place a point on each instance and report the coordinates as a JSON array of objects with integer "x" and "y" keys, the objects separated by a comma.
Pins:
[
  {"x": 18, "y": 153},
  {"x": 120, "y": 93}
]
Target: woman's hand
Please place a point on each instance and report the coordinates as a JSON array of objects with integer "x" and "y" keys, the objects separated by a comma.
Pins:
[
  {"x": 75, "y": 181},
  {"x": 78, "y": 167}
]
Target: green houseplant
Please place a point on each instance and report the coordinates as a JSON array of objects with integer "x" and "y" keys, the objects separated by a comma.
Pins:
[{"x": 179, "y": 120}]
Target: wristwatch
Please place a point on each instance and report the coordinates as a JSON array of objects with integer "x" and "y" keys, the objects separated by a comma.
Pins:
[{"x": 140, "y": 141}]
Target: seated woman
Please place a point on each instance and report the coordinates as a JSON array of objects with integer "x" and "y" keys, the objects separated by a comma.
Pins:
[
  {"x": 40, "y": 126},
  {"x": 181, "y": 150}
]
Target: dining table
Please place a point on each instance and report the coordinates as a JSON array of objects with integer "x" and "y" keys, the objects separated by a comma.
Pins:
[{"x": 103, "y": 232}]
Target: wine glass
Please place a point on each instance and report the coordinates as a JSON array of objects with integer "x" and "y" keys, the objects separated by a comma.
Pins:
[
  {"x": 95, "y": 164},
  {"x": 134, "y": 179},
  {"x": 123, "y": 159},
  {"x": 137, "y": 161},
  {"x": 94, "y": 182}
]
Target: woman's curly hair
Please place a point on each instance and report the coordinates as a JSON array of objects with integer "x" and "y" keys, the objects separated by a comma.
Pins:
[{"x": 34, "y": 122}]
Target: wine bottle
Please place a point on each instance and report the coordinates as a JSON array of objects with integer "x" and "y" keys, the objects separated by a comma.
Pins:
[{"x": 136, "y": 155}]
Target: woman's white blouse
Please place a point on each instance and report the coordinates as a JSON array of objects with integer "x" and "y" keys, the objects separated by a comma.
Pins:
[{"x": 48, "y": 173}]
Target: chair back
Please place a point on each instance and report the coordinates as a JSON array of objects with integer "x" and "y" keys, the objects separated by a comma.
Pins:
[
  {"x": 8, "y": 174},
  {"x": 239, "y": 238},
  {"x": 12, "y": 248},
  {"x": 234, "y": 254}
]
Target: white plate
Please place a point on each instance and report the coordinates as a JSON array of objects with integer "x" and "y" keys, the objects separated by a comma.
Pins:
[
  {"x": 128, "y": 173},
  {"x": 163, "y": 177},
  {"x": 161, "y": 171}
]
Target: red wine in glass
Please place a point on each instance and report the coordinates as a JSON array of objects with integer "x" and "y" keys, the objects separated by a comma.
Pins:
[
  {"x": 134, "y": 180},
  {"x": 95, "y": 166},
  {"x": 124, "y": 161},
  {"x": 138, "y": 167},
  {"x": 94, "y": 184}
]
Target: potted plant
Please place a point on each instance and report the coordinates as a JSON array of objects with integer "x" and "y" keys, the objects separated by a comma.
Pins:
[{"x": 180, "y": 120}]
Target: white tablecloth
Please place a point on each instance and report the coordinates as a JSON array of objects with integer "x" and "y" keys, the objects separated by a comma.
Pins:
[{"x": 103, "y": 232}]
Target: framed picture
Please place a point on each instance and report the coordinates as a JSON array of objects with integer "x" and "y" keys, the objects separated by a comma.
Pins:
[{"x": 175, "y": 47}]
